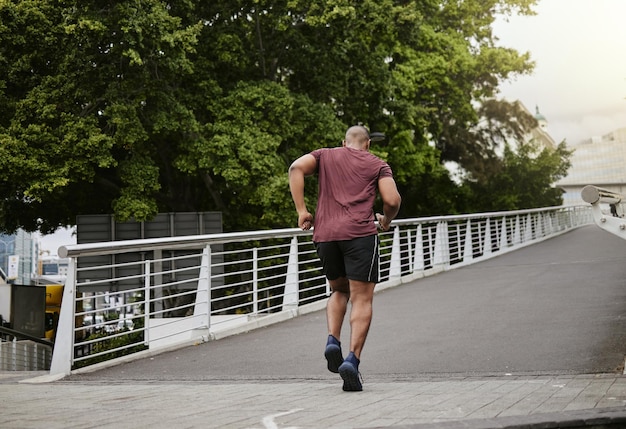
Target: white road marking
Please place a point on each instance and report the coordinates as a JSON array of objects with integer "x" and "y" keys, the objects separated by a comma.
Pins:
[{"x": 268, "y": 421}]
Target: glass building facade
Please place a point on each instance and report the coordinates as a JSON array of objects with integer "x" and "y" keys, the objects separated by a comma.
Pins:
[{"x": 16, "y": 257}]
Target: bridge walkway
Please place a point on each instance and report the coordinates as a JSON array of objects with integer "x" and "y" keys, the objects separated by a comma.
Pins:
[{"x": 531, "y": 338}]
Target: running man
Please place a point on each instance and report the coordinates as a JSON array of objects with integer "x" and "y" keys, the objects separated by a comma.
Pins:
[{"x": 346, "y": 237}]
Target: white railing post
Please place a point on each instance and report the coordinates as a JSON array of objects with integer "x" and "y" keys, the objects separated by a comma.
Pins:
[
  {"x": 504, "y": 241},
  {"x": 487, "y": 241},
  {"x": 207, "y": 265},
  {"x": 468, "y": 251},
  {"x": 394, "y": 266},
  {"x": 290, "y": 298},
  {"x": 458, "y": 240},
  {"x": 549, "y": 223},
  {"x": 528, "y": 232},
  {"x": 14, "y": 354},
  {"x": 146, "y": 302},
  {"x": 517, "y": 237},
  {"x": 442, "y": 250},
  {"x": 202, "y": 307},
  {"x": 432, "y": 234},
  {"x": 157, "y": 255},
  {"x": 255, "y": 281},
  {"x": 418, "y": 251},
  {"x": 63, "y": 353}
]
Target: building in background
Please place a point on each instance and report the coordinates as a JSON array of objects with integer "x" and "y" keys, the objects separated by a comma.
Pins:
[
  {"x": 17, "y": 257},
  {"x": 51, "y": 270},
  {"x": 598, "y": 161},
  {"x": 540, "y": 133}
]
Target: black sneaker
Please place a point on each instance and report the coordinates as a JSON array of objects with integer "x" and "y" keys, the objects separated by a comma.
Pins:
[
  {"x": 333, "y": 354},
  {"x": 349, "y": 372}
]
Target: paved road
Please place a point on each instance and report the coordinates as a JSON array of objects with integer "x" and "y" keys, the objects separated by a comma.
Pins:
[
  {"x": 550, "y": 309},
  {"x": 534, "y": 338}
]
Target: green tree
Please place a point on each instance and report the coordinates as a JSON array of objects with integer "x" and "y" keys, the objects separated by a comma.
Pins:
[
  {"x": 524, "y": 180},
  {"x": 138, "y": 107},
  {"x": 91, "y": 106}
]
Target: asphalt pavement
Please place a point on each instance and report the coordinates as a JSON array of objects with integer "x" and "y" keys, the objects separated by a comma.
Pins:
[{"x": 532, "y": 338}]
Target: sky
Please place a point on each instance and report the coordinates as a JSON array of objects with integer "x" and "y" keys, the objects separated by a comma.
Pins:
[
  {"x": 52, "y": 242},
  {"x": 579, "y": 80}
]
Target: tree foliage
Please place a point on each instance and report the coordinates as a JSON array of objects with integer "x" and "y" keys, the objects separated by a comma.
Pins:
[
  {"x": 523, "y": 181},
  {"x": 143, "y": 106}
]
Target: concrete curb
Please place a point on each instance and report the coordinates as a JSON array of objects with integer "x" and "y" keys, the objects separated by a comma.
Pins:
[{"x": 598, "y": 418}]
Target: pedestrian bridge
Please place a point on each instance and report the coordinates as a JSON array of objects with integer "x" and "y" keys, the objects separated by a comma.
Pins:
[
  {"x": 153, "y": 295},
  {"x": 534, "y": 337},
  {"x": 144, "y": 297}
]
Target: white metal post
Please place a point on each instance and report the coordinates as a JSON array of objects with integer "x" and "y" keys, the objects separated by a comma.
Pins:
[
  {"x": 468, "y": 252},
  {"x": 63, "y": 353},
  {"x": 394, "y": 265},
  {"x": 442, "y": 250},
  {"x": 255, "y": 281},
  {"x": 517, "y": 238},
  {"x": 290, "y": 298},
  {"x": 418, "y": 252},
  {"x": 146, "y": 303},
  {"x": 528, "y": 233},
  {"x": 409, "y": 244},
  {"x": 487, "y": 248},
  {"x": 203, "y": 293}
]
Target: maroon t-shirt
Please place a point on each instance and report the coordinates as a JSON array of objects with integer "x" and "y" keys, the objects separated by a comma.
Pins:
[{"x": 348, "y": 180}]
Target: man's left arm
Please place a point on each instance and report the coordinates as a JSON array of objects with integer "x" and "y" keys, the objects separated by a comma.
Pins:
[
  {"x": 391, "y": 201},
  {"x": 299, "y": 169}
]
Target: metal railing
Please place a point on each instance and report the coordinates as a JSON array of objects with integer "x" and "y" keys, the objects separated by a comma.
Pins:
[
  {"x": 607, "y": 208},
  {"x": 145, "y": 296},
  {"x": 23, "y": 352}
]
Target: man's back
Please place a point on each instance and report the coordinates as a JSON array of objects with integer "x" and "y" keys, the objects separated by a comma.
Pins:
[{"x": 348, "y": 180}]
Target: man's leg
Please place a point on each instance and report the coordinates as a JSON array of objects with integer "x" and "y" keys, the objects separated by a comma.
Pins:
[
  {"x": 361, "y": 298},
  {"x": 337, "y": 305},
  {"x": 335, "y": 313}
]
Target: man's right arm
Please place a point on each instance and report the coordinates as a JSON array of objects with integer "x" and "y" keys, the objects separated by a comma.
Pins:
[
  {"x": 391, "y": 201},
  {"x": 299, "y": 169}
]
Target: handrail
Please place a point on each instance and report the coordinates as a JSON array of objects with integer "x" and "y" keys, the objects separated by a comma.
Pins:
[
  {"x": 24, "y": 352},
  {"x": 22, "y": 335},
  {"x": 172, "y": 243},
  {"x": 593, "y": 195},
  {"x": 613, "y": 220},
  {"x": 199, "y": 241}
]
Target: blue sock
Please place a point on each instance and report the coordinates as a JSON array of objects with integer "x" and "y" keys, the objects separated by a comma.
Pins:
[
  {"x": 353, "y": 359},
  {"x": 333, "y": 340}
]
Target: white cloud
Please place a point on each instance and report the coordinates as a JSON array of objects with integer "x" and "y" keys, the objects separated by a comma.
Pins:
[
  {"x": 579, "y": 82},
  {"x": 52, "y": 242}
]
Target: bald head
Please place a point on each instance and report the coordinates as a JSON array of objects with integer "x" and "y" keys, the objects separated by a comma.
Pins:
[{"x": 357, "y": 137}]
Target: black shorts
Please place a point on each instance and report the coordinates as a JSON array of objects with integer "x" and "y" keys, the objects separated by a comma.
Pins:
[{"x": 356, "y": 259}]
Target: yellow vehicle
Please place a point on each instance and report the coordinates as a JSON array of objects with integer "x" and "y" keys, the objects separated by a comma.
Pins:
[{"x": 54, "y": 296}]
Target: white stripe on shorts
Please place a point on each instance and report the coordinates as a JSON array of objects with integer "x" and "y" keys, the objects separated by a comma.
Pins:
[{"x": 373, "y": 262}]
